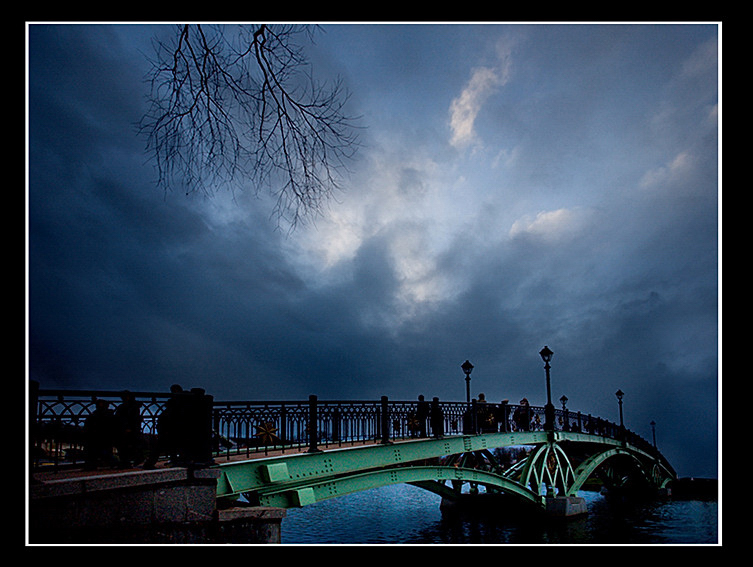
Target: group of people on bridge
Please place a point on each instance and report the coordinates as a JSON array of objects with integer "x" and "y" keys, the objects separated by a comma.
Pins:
[
  {"x": 114, "y": 438},
  {"x": 483, "y": 417},
  {"x": 184, "y": 429},
  {"x": 106, "y": 429}
]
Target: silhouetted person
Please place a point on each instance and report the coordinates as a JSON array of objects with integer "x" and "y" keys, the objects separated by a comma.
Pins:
[
  {"x": 129, "y": 441},
  {"x": 522, "y": 416},
  {"x": 503, "y": 415},
  {"x": 169, "y": 426},
  {"x": 198, "y": 428},
  {"x": 436, "y": 416},
  {"x": 484, "y": 416},
  {"x": 422, "y": 414},
  {"x": 99, "y": 436}
]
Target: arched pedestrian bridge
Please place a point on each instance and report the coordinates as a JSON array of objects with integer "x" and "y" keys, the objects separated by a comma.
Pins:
[
  {"x": 295, "y": 453},
  {"x": 554, "y": 467},
  {"x": 454, "y": 449}
]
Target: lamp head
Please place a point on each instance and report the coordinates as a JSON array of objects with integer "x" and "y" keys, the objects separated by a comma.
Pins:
[{"x": 546, "y": 354}]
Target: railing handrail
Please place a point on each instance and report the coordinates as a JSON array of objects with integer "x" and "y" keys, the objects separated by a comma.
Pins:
[
  {"x": 334, "y": 421},
  {"x": 90, "y": 396},
  {"x": 47, "y": 392}
]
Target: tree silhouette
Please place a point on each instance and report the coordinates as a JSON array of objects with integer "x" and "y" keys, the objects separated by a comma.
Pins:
[{"x": 235, "y": 107}]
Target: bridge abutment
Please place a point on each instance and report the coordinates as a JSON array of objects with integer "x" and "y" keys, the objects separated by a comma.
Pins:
[{"x": 175, "y": 505}]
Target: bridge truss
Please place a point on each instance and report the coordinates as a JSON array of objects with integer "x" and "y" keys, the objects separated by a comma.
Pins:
[{"x": 553, "y": 464}]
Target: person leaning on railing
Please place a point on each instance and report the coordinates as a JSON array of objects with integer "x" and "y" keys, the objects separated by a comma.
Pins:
[{"x": 100, "y": 430}]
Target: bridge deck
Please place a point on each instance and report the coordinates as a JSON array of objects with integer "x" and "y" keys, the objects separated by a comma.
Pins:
[
  {"x": 241, "y": 472},
  {"x": 51, "y": 473}
]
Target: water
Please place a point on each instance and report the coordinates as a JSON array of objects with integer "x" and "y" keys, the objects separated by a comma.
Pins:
[{"x": 404, "y": 514}]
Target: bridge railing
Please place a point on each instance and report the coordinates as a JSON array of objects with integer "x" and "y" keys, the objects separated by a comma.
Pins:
[
  {"x": 58, "y": 418},
  {"x": 253, "y": 426}
]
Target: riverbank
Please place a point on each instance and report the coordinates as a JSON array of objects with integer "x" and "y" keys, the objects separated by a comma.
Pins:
[{"x": 704, "y": 489}]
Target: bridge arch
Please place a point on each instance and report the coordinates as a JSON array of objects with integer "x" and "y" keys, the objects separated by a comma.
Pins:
[
  {"x": 634, "y": 465},
  {"x": 557, "y": 465},
  {"x": 431, "y": 478}
]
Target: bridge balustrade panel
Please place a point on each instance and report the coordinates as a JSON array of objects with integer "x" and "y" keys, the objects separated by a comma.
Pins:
[
  {"x": 248, "y": 427},
  {"x": 58, "y": 419}
]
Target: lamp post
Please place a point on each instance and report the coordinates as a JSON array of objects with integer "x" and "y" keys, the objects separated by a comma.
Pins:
[
  {"x": 467, "y": 368},
  {"x": 619, "y": 394},
  {"x": 546, "y": 356},
  {"x": 653, "y": 432}
]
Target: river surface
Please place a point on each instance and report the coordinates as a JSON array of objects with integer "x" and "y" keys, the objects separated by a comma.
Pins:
[{"x": 404, "y": 514}]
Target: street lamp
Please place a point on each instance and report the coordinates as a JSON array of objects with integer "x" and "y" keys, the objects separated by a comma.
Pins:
[
  {"x": 546, "y": 356},
  {"x": 653, "y": 431},
  {"x": 619, "y": 394},
  {"x": 563, "y": 401},
  {"x": 467, "y": 368}
]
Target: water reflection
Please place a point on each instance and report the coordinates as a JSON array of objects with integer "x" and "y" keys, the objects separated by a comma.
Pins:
[{"x": 403, "y": 514}]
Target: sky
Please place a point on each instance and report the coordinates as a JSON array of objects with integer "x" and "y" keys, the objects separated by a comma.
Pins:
[{"x": 517, "y": 185}]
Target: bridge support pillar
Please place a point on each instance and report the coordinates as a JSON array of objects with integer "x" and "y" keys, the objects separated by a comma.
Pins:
[{"x": 566, "y": 506}]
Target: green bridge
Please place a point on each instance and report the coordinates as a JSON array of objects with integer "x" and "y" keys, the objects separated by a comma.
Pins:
[
  {"x": 555, "y": 466},
  {"x": 282, "y": 454}
]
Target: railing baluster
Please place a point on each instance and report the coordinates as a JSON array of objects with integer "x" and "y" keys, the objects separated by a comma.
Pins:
[
  {"x": 313, "y": 420},
  {"x": 384, "y": 410}
]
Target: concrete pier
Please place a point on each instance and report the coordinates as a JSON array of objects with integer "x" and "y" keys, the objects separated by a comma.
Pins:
[
  {"x": 566, "y": 506},
  {"x": 174, "y": 505}
]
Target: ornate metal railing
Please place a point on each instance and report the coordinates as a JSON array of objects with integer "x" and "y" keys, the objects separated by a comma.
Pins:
[
  {"x": 273, "y": 425},
  {"x": 58, "y": 417}
]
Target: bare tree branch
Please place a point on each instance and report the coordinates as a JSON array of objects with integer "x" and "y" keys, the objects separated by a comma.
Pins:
[{"x": 241, "y": 111}]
